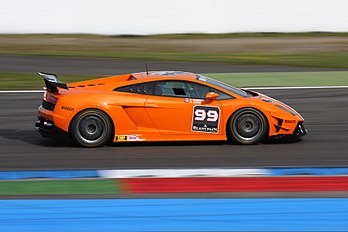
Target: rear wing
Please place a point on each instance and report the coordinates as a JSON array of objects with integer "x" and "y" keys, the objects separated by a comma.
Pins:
[{"x": 52, "y": 82}]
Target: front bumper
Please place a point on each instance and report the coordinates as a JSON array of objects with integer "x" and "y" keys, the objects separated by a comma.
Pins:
[{"x": 299, "y": 131}]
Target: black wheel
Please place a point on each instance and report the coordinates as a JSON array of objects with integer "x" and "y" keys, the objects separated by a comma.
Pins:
[
  {"x": 91, "y": 128},
  {"x": 247, "y": 126}
]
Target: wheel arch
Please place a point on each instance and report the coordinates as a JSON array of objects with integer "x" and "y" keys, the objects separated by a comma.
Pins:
[
  {"x": 228, "y": 135},
  {"x": 93, "y": 108}
]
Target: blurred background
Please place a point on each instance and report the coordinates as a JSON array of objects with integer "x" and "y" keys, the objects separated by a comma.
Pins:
[
  {"x": 86, "y": 38},
  {"x": 301, "y": 44}
]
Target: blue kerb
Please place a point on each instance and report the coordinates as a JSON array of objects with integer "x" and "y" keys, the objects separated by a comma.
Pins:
[
  {"x": 60, "y": 174},
  {"x": 307, "y": 171},
  {"x": 145, "y": 215},
  {"x": 72, "y": 174}
]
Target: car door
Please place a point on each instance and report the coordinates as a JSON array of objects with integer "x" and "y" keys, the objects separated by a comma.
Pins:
[
  {"x": 134, "y": 116},
  {"x": 176, "y": 108}
]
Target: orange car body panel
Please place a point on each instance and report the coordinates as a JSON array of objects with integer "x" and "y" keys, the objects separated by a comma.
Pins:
[{"x": 144, "y": 117}]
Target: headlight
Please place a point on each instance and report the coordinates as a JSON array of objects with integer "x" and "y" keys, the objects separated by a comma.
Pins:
[{"x": 292, "y": 112}]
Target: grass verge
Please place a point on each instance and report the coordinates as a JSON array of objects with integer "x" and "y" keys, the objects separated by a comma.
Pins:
[
  {"x": 20, "y": 81},
  {"x": 312, "y": 59},
  {"x": 55, "y": 187},
  {"x": 301, "y": 49},
  {"x": 279, "y": 79}
]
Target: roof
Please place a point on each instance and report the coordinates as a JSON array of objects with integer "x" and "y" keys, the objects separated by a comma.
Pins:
[{"x": 164, "y": 74}]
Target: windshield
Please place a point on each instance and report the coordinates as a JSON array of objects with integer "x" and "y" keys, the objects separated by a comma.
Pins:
[{"x": 223, "y": 85}]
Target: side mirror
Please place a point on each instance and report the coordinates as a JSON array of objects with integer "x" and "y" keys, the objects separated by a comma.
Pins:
[{"x": 211, "y": 96}]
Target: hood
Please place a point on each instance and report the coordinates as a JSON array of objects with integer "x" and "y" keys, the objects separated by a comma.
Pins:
[{"x": 273, "y": 101}]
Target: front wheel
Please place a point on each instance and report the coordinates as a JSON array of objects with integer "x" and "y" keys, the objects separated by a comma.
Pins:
[
  {"x": 91, "y": 128},
  {"x": 247, "y": 126}
]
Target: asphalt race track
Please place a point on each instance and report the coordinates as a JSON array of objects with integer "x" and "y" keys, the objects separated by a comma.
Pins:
[
  {"x": 103, "y": 67},
  {"x": 325, "y": 112}
]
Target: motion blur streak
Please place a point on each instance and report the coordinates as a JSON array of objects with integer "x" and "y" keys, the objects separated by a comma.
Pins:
[{"x": 320, "y": 214}]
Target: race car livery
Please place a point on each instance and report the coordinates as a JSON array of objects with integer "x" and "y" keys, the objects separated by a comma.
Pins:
[{"x": 161, "y": 106}]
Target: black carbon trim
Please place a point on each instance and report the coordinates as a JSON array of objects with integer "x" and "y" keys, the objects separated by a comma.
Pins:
[
  {"x": 300, "y": 130},
  {"x": 279, "y": 126},
  {"x": 48, "y": 105}
]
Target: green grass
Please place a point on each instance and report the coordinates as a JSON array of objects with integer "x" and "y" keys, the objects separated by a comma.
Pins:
[
  {"x": 20, "y": 81},
  {"x": 14, "y": 81},
  {"x": 197, "y": 35},
  {"x": 314, "y": 59},
  {"x": 317, "y": 49},
  {"x": 55, "y": 187},
  {"x": 283, "y": 79}
]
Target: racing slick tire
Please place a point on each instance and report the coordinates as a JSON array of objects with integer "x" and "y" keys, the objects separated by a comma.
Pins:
[
  {"x": 91, "y": 128},
  {"x": 247, "y": 126}
]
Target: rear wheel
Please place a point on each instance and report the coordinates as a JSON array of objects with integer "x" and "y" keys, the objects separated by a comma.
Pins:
[
  {"x": 91, "y": 128},
  {"x": 247, "y": 126}
]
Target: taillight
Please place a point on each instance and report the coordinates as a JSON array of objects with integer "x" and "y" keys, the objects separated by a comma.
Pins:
[
  {"x": 49, "y": 98},
  {"x": 52, "y": 99}
]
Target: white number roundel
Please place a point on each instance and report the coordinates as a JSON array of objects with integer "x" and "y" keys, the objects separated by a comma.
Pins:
[
  {"x": 211, "y": 115},
  {"x": 200, "y": 115}
]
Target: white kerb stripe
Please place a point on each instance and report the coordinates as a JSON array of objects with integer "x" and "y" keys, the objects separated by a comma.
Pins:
[{"x": 175, "y": 173}]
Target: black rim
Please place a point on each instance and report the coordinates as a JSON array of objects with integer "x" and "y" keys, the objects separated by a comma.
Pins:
[
  {"x": 248, "y": 126},
  {"x": 92, "y": 128}
]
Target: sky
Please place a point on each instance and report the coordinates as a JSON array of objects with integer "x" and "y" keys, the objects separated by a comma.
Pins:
[{"x": 113, "y": 17}]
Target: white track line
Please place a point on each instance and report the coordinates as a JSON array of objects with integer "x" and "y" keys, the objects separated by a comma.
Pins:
[
  {"x": 22, "y": 91},
  {"x": 303, "y": 87},
  {"x": 177, "y": 173},
  {"x": 270, "y": 88}
]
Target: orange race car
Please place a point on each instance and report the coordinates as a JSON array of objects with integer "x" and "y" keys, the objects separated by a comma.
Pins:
[{"x": 162, "y": 106}]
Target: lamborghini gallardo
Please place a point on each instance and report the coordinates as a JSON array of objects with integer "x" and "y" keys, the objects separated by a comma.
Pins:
[{"x": 162, "y": 106}]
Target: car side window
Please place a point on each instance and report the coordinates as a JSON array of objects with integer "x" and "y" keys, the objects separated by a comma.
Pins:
[
  {"x": 142, "y": 88},
  {"x": 222, "y": 95},
  {"x": 170, "y": 89},
  {"x": 184, "y": 89},
  {"x": 199, "y": 91}
]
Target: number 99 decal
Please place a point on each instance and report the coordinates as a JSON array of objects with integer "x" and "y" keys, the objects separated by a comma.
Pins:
[{"x": 206, "y": 119}]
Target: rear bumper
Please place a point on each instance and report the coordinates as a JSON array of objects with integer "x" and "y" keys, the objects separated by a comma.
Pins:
[
  {"x": 44, "y": 127},
  {"x": 47, "y": 129}
]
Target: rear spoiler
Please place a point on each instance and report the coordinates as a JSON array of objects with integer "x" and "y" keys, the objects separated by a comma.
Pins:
[{"x": 52, "y": 82}]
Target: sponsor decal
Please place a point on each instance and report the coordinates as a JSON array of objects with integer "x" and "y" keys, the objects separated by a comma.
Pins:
[
  {"x": 132, "y": 138},
  {"x": 206, "y": 119},
  {"x": 127, "y": 138},
  {"x": 290, "y": 121},
  {"x": 67, "y": 108},
  {"x": 194, "y": 101},
  {"x": 121, "y": 138}
]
